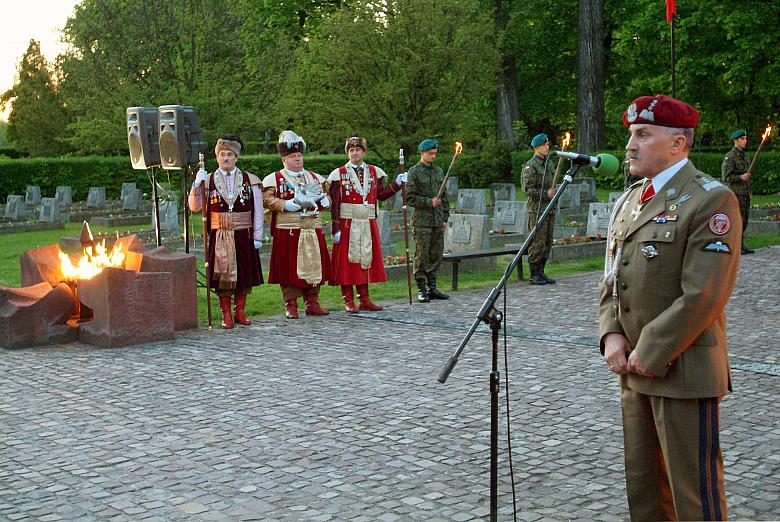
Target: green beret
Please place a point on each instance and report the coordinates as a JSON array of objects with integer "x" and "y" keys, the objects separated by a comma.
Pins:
[
  {"x": 427, "y": 144},
  {"x": 738, "y": 134},
  {"x": 539, "y": 139}
]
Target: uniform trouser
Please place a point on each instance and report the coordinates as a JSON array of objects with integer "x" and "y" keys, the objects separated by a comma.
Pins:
[
  {"x": 540, "y": 247},
  {"x": 744, "y": 210},
  {"x": 428, "y": 249},
  {"x": 674, "y": 466}
]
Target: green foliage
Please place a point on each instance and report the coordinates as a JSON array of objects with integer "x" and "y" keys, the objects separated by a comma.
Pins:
[{"x": 37, "y": 122}]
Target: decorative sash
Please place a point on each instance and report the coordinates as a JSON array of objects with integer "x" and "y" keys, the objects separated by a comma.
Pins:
[
  {"x": 226, "y": 223},
  {"x": 309, "y": 264},
  {"x": 360, "y": 243}
]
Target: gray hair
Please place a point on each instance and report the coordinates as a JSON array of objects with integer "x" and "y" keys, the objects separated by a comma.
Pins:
[{"x": 685, "y": 132}]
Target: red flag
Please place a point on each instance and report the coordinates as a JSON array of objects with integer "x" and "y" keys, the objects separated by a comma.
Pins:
[{"x": 671, "y": 10}]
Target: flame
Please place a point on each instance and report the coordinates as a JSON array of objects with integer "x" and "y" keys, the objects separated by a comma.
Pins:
[
  {"x": 566, "y": 141},
  {"x": 767, "y": 132},
  {"x": 458, "y": 147},
  {"x": 90, "y": 264}
]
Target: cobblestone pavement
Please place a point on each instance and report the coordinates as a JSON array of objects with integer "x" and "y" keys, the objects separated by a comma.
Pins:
[{"x": 285, "y": 420}]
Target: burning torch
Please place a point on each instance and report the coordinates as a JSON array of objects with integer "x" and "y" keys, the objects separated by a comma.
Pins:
[
  {"x": 458, "y": 150},
  {"x": 764, "y": 136},
  {"x": 564, "y": 146}
]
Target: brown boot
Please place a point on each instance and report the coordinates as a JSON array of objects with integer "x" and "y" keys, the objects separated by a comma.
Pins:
[
  {"x": 227, "y": 316},
  {"x": 365, "y": 302},
  {"x": 291, "y": 309},
  {"x": 349, "y": 299},
  {"x": 313, "y": 306},
  {"x": 240, "y": 313}
]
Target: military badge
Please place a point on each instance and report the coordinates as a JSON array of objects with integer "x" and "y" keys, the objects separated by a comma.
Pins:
[
  {"x": 649, "y": 252},
  {"x": 718, "y": 246},
  {"x": 661, "y": 218},
  {"x": 631, "y": 113},
  {"x": 720, "y": 224}
]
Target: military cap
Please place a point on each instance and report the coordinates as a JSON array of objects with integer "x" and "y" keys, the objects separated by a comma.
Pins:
[
  {"x": 427, "y": 144},
  {"x": 356, "y": 141},
  {"x": 539, "y": 139},
  {"x": 738, "y": 134},
  {"x": 661, "y": 110}
]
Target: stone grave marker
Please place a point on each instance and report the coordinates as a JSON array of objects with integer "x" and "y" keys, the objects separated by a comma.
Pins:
[
  {"x": 128, "y": 188},
  {"x": 466, "y": 233},
  {"x": 598, "y": 219},
  {"x": 96, "y": 197},
  {"x": 32, "y": 196},
  {"x": 50, "y": 211},
  {"x": 472, "y": 201},
  {"x": 169, "y": 215},
  {"x": 614, "y": 196},
  {"x": 14, "y": 207},
  {"x": 451, "y": 188},
  {"x": 64, "y": 196},
  {"x": 502, "y": 192},
  {"x": 131, "y": 199},
  {"x": 587, "y": 188},
  {"x": 570, "y": 197},
  {"x": 383, "y": 224},
  {"x": 511, "y": 217}
]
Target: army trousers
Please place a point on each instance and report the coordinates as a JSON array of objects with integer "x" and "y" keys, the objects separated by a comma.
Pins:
[
  {"x": 744, "y": 210},
  {"x": 428, "y": 249},
  {"x": 541, "y": 246}
]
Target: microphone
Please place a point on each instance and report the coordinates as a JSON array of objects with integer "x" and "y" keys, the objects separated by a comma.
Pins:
[{"x": 606, "y": 164}]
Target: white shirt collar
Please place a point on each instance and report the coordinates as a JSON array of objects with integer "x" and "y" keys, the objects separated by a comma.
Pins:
[
  {"x": 665, "y": 175},
  {"x": 226, "y": 173},
  {"x": 354, "y": 167}
]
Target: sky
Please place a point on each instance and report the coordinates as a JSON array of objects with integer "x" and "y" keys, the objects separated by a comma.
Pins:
[{"x": 23, "y": 20}]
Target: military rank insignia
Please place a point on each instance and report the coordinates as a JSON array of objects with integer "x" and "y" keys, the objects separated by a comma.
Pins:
[
  {"x": 649, "y": 252},
  {"x": 718, "y": 246}
]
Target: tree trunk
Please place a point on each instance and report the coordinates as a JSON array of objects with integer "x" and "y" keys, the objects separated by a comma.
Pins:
[
  {"x": 590, "y": 88},
  {"x": 507, "y": 108}
]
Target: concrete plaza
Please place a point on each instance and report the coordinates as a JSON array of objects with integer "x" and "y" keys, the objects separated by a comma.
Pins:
[{"x": 341, "y": 417}]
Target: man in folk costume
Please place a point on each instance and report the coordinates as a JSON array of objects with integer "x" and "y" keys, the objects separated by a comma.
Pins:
[
  {"x": 299, "y": 258},
  {"x": 235, "y": 223},
  {"x": 355, "y": 189}
]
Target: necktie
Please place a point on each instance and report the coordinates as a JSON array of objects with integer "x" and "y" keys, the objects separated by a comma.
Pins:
[{"x": 647, "y": 193}]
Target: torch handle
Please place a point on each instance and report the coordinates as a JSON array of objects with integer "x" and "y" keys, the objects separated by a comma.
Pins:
[
  {"x": 447, "y": 175},
  {"x": 755, "y": 156}
]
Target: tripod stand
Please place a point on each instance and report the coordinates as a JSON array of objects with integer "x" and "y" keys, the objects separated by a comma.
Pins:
[{"x": 493, "y": 317}]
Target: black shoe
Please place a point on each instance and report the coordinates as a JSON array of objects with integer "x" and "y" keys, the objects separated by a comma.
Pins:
[
  {"x": 548, "y": 280},
  {"x": 435, "y": 293},
  {"x": 537, "y": 279},
  {"x": 746, "y": 250},
  {"x": 422, "y": 292}
]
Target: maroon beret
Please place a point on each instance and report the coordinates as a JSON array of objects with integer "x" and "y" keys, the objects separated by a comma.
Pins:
[{"x": 661, "y": 110}]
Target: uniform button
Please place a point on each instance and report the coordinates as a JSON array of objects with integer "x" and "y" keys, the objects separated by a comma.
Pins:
[
  {"x": 655, "y": 235},
  {"x": 625, "y": 262},
  {"x": 624, "y": 286},
  {"x": 626, "y": 309}
]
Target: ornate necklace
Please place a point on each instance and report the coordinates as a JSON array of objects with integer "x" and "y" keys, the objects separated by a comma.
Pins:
[{"x": 230, "y": 196}]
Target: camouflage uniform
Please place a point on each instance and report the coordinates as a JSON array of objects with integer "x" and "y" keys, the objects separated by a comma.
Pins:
[
  {"x": 734, "y": 165},
  {"x": 428, "y": 223},
  {"x": 537, "y": 179}
]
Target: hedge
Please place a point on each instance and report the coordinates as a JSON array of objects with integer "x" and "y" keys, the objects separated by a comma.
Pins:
[{"x": 473, "y": 169}]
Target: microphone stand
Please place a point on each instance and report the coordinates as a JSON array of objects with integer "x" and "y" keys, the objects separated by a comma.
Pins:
[{"x": 488, "y": 314}]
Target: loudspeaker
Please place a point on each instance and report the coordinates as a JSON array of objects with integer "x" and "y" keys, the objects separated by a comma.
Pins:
[
  {"x": 142, "y": 137},
  {"x": 181, "y": 139}
]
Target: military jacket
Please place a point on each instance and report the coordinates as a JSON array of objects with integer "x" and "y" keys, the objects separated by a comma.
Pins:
[
  {"x": 537, "y": 179},
  {"x": 671, "y": 266},
  {"x": 734, "y": 165},
  {"x": 423, "y": 182}
]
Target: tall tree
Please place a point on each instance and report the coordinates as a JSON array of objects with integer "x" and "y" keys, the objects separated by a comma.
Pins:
[
  {"x": 507, "y": 108},
  {"x": 590, "y": 84},
  {"x": 38, "y": 117}
]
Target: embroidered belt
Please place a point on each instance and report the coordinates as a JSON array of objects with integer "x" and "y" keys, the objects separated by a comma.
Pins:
[
  {"x": 309, "y": 263},
  {"x": 360, "y": 246},
  {"x": 225, "y": 265}
]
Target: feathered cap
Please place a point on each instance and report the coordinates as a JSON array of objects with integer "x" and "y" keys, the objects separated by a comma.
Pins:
[
  {"x": 290, "y": 142},
  {"x": 356, "y": 141}
]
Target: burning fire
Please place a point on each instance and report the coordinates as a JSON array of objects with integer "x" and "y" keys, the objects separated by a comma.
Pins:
[
  {"x": 767, "y": 132},
  {"x": 566, "y": 140},
  {"x": 458, "y": 147},
  {"x": 91, "y": 263}
]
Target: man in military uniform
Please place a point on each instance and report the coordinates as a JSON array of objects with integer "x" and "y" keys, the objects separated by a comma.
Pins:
[
  {"x": 671, "y": 264},
  {"x": 355, "y": 189},
  {"x": 234, "y": 219},
  {"x": 734, "y": 172},
  {"x": 429, "y": 220},
  {"x": 300, "y": 262},
  {"x": 538, "y": 174}
]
